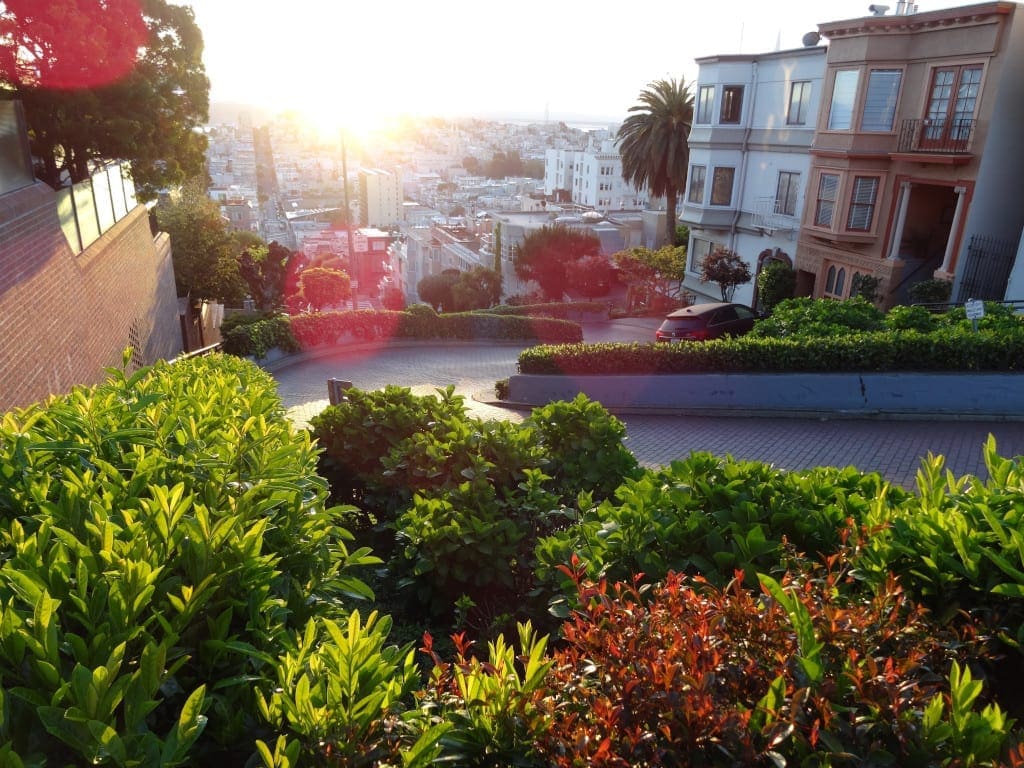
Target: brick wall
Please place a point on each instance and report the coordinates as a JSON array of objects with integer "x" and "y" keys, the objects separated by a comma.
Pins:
[{"x": 64, "y": 318}]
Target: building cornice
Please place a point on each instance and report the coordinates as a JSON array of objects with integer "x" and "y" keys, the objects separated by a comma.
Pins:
[{"x": 965, "y": 16}]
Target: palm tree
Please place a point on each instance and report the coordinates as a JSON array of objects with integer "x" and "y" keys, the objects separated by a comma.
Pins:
[{"x": 653, "y": 143}]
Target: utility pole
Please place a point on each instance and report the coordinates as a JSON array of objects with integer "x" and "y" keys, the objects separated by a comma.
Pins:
[{"x": 348, "y": 222}]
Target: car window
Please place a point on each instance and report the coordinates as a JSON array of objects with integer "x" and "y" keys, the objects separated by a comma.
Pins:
[
  {"x": 744, "y": 313},
  {"x": 682, "y": 324},
  {"x": 724, "y": 315}
]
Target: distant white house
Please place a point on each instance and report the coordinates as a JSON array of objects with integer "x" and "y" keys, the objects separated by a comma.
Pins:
[{"x": 753, "y": 125}]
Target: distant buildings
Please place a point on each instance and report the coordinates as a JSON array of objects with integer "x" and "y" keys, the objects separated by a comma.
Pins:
[{"x": 380, "y": 198}]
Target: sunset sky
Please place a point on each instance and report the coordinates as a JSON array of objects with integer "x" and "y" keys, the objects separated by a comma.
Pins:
[{"x": 466, "y": 58}]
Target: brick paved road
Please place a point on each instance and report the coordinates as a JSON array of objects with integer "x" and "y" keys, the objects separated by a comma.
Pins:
[{"x": 893, "y": 448}]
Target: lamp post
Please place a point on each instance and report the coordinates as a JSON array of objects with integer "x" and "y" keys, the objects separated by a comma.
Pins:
[{"x": 348, "y": 221}]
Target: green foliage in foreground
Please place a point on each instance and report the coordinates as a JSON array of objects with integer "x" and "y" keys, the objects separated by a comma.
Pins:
[
  {"x": 175, "y": 590},
  {"x": 163, "y": 537},
  {"x": 457, "y": 503}
]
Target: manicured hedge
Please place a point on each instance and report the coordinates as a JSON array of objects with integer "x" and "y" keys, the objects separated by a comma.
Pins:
[
  {"x": 557, "y": 309},
  {"x": 320, "y": 329},
  {"x": 956, "y": 349}
]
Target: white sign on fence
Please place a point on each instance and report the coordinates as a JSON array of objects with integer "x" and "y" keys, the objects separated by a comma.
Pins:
[{"x": 975, "y": 309}]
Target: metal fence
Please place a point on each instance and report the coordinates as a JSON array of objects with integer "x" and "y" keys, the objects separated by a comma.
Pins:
[
  {"x": 987, "y": 268},
  {"x": 91, "y": 207}
]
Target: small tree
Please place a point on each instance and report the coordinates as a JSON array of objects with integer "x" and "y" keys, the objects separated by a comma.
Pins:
[
  {"x": 657, "y": 274},
  {"x": 479, "y": 288},
  {"x": 775, "y": 283},
  {"x": 323, "y": 287},
  {"x": 591, "y": 276},
  {"x": 544, "y": 253},
  {"x": 203, "y": 251},
  {"x": 725, "y": 267},
  {"x": 265, "y": 269},
  {"x": 436, "y": 290}
]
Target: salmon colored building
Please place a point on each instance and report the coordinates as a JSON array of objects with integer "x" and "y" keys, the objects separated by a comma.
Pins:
[{"x": 917, "y": 164}]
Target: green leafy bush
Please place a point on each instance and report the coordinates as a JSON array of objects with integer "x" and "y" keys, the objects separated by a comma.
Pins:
[
  {"x": 775, "y": 283},
  {"x": 933, "y": 291},
  {"x": 903, "y": 318},
  {"x": 162, "y": 534},
  {"x": 710, "y": 516},
  {"x": 584, "y": 446},
  {"x": 816, "y": 317},
  {"x": 258, "y": 337}
]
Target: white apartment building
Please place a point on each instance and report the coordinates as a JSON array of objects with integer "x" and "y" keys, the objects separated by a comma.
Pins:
[
  {"x": 754, "y": 120},
  {"x": 380, "y": 198},
  {"x": 597, "y": 180},
  {"x": 558, "y": 165},
  {"x": 591, "y": 178}
]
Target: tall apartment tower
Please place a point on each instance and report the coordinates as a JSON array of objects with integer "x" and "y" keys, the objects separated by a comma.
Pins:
[{"x": 380, "y": 198}]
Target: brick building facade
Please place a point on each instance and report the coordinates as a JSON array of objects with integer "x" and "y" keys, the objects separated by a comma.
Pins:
[{"x": 65, "y": 317}]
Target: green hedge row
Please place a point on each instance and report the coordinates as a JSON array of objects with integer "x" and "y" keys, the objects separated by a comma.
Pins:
[
  {"x": 319, "y": 329},
  {"x": 955, "y": 349},
  {"x": 557, "y": 309}
]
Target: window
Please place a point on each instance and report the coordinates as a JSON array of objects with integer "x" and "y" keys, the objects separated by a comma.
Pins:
[
  {"x": 880, "y": 101},
  {"x": 786, "y": 193},
  {"x": 951, "y": 104},
  {"x": 696, "y": 191},
  {"x": 862, "y": 203},
  {"x": 844, "y": 91},
  {"x": 721, "y": 186},
  {"x": 705, "y": 100},
  {"x": 732, "y": 104},
  {"x": 799, "y": 103},
  {"x": 828, "y": 188},
  {"x": 699, "y": 251},
  {"x": 835, "y": 281}
]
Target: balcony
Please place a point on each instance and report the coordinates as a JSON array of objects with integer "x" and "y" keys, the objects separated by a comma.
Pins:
[
  {"x": 769, "y": 214},
  {"x": 939, "y": 137}
]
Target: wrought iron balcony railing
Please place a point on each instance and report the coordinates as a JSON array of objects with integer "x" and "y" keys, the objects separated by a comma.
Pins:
[{"x": 940, "y": 136}]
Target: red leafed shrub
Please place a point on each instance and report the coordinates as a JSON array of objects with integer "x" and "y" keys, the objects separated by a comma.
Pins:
[{"x": 686, "y": 674}]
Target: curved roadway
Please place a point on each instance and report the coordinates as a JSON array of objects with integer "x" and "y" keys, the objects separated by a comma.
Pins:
[{"x": 893, "y": 448}]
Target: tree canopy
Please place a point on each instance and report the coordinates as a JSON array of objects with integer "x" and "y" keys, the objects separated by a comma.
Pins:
[
  {"x": 436, "y": 290},
  {"x": 479, "y": 288},
  {"x": 323, "y": 287},
  {"x": 726, "y": 268},
  {"x": 267, "y": 270},
  {"x": 108, "y": 80},
  {"x": 655, "y": 273},
  {"x": 544, "y": 253},
  {"x": 653, "y": 143},
  {"x": 203, "y": 251}
]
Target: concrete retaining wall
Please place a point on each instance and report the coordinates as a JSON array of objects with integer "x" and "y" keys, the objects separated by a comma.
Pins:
[{"x": 984, "y": 395}]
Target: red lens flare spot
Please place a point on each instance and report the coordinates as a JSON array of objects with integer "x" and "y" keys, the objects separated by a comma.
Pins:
[{"x": 70, "y": 44}]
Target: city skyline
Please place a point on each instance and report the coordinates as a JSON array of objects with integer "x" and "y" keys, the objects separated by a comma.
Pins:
[{"x": 542, "y": 61}]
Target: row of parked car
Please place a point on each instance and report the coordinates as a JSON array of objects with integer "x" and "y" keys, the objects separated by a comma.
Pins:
[{"x": 700, "y": 322}]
